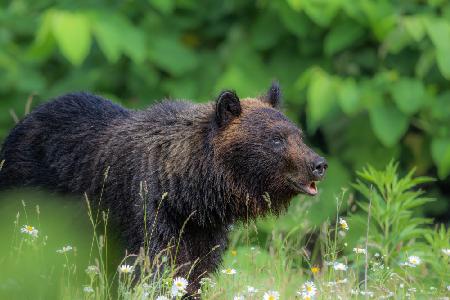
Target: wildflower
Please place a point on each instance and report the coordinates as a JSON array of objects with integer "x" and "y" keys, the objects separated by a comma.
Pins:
[
  {"x": 354, "y": 292},
  {"x": 64, "y": 249},
  {"x": 367, "y": 293},
  {"x": 229, "y": 271},
  {"x": 238, "y": 297},
  {"x": 315, "y": 270},
  {"x": 233, "y": 252},
  {"x": 88, "y": 289},
  {"x": 339, "y": 266},
  {"x": 446, "y": 251},
  {"x": 343, "y": 224},
  {"x": 413, "y": 261},
  {"x": 271, "y": 295},
  {"x": 92, "y": 270},
  {"x": 251, "y": 290},
  {"x": 179, "y": 286},
  {"x": 305, "y": 296},
  {"x": 207, "y": 281},
  {"x": 359, "y": 250},
  {"x": 309, "y": 288},
  {"x": 345, "y": 280},
  {"x": 126, "y": 269},
  {"x": 162, "y": 298},
  {"x": 30, "y": 230}
]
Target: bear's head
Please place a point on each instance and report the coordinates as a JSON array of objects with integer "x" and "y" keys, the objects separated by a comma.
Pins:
[{"x": 264, "y": 158}]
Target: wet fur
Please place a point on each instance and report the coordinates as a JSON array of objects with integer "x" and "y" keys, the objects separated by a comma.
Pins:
[{"x": 197, "y": 153}]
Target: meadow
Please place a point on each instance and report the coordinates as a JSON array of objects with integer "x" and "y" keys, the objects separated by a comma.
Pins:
[
  {"x": 367, "y": 81},
  {"x": 398, "y": 255}
]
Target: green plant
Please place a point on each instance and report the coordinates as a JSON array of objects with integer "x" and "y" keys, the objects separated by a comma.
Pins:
[{"x": 391, "y": 201}]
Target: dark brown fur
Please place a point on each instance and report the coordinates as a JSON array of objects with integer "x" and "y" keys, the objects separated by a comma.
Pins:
[{"x": 215, "y": 161}]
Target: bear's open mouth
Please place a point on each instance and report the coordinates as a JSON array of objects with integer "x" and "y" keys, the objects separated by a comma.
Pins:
[{"x": 309, "y": 188}]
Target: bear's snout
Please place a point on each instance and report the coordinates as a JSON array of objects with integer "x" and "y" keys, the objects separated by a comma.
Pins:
[{"x": 318, "y": 167}]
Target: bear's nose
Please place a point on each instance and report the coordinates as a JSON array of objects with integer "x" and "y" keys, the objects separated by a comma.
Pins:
[{"x": 319, "y": 166}]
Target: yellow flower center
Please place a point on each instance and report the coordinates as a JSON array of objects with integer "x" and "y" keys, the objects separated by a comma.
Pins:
[
  {"x": 179, "y": 284},
  {"x": 30, "y": 228},
  {"x": 271, "y": 297},
  {"x": 233, "y": 252},
  {"x": 308, "y": 288},
  {"x": 315, "y": 270}
]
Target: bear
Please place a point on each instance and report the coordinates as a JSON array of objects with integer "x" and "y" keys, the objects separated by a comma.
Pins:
[{"x": 189, "y": 170}]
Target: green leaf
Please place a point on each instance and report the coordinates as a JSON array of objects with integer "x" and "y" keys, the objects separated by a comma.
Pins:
[
  {"x": 44, "y": 42},
  {"x": 425, "y": 62},
  {"x": 164, "y": 6},
  {"x": 439, "y": 33},
  {"x": 168, "y": 53},
  {"x": 440, "y": 152},
  {"x": 408, "y": 94},
  {"x": 265, "y": 32},
  {"x": 116, "y": 35},
  {"x": 341, "y": 37},
  {"x": 440, "y": 110},
  {"x": 106, "y": 32},
  {"x": 321, "y": 98},
  {"x": 414, "y": 26},
  {"x": 348, "y": 95},
  {"x": 388, "y": 123},
  {"x": 72, "y": 33},
  {"x": 322, "y": 12},
  {"x": 294, "y": 21}
]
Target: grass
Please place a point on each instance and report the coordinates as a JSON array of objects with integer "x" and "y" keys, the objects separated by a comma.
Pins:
[{"x": 395, "y": 254}]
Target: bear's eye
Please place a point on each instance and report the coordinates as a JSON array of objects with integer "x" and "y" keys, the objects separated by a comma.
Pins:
[{"x": 277, "y": 142}]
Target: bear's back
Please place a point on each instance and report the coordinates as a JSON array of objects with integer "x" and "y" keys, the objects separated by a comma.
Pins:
[{"x": 54, "y": 138}]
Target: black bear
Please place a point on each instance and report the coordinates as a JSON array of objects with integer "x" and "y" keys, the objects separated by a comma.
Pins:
[{"x": 217, "y": 163}]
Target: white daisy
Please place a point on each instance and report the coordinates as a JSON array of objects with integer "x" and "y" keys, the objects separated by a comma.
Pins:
[
  {"x": 271, "y": 295},
  {"x": 446, "y": 251},
  {"x": 238, "y": 297},
  {"x": 359, "y": 250},
  {"x": 251, "y": 290},
  {"x": 126, "y": 269},
  {"x": 179, "y": 286},
  {"x": 309, "y": 288},
  {"x": 64, "y": 249},
  {"x": 88, "y": 289},
  {"x": 343, "y": 224},
  {"x": 305, "y": 296},
  {"x": 229, "y": 271},
  {"x": 413, "y": 261},
  {"x": 30, "y": 230},
  {"x": 92, "y": 270},
  {"x": 339, "y": 266},
  {"x": 368, "y": 293}
]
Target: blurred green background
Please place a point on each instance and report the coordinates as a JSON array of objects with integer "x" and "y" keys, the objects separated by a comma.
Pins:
[{"x": 367, "y": 80}]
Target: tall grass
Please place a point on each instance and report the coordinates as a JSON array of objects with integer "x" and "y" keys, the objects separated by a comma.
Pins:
[{"x": 399, "y": 255}]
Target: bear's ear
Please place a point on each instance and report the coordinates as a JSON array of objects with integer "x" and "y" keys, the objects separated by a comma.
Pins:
[
  {"x": 228, "y": 107},
  {"x": 273, "y": 96}
]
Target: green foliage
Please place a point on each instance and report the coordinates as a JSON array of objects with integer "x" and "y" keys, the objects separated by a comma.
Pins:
[
  {"x": 367, "y": 80},
  {"x": 391, "y": 201}
]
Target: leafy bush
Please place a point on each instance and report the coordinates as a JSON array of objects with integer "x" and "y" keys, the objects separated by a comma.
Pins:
[{"x": 368, "y": 80}]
